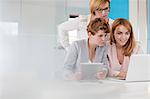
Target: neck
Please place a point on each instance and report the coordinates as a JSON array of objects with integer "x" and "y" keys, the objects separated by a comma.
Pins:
[
  {"x": 91, "y": 51},
  {"x": 91, "y": 46},
  {"x": 119, "y": 47},
  {"x": 107, "y": 20}
]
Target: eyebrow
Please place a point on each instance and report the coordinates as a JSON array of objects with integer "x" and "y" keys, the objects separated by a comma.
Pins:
[
  {"x": 119, "y": 31},
  {"x": 122, "y": 32},
  {"x": 103, "y": 8}
]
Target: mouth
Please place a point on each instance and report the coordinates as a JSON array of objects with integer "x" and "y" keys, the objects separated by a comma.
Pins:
[
  {"x": 102, "y": 43},
  {"x": 123, "y": 42},
  {"x": 104, "y": 16}
]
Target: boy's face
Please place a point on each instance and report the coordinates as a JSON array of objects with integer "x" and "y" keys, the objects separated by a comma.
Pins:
[
  {"x": 99, "y": 38},
  {"x": 102, "y": 11}
]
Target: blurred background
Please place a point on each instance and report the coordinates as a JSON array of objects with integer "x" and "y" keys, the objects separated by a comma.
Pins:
[{"x": 28, "y": 33}]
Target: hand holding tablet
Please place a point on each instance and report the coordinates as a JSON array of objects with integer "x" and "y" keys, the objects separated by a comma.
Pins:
[{"x": 93, "y": 71}]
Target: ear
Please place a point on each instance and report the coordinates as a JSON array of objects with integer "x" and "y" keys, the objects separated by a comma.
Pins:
[{"x": 89, "y": 34}]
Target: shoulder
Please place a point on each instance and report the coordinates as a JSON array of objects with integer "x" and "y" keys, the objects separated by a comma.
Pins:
[
  {"x": 77, "y": 46},
  {"x": 110, "y": 46},
  {"x": 111, "y": 21},
  {"x": 104, "y": 47},
  {"x": 138, "y": 48},
  {"x": 69, "y": 22},
  {"x": 83, "y": 18},
  {"x": 80, "y": 43}
]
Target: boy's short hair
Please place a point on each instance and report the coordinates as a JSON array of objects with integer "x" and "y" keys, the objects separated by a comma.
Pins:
[{"x": 98, "y": 24}]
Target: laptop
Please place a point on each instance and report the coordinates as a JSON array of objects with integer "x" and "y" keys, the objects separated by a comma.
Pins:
[
  {"x": 89, "y": 71},
  {"x": 138, "y": 69}
]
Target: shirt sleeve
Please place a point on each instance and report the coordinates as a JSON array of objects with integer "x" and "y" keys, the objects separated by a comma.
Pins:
[
  {"x": 105, "y": 57},
  {"x": 70, "y": 62},
  {"x": 113, "y": 73},
  {"x": 64, "y": 28}
]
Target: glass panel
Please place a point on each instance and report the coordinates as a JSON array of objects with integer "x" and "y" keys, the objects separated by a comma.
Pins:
[{"x": 148, "y": 44}]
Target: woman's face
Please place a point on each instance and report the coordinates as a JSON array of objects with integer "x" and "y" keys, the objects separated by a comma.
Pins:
[
  {"x": 99, "y": 38},
  {"x": 121, "y": 35},
  {"x": 102, "y": 11}
]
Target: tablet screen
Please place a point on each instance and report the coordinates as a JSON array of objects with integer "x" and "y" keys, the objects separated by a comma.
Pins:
[{"x": 89, "y": 70}]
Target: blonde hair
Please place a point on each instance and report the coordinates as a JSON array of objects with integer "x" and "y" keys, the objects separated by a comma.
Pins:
[
  {"x": 130, "y": 45},
  {"x": 94, "y": 5},
  {"x": 98, "y": 24}
]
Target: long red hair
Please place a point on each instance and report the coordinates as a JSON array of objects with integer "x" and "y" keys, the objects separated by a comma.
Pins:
[{"x": 130, "y": 45}]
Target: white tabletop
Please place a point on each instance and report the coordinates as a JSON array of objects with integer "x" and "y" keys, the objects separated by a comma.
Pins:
[
  {"x": 96, "y": 90},
  {"x": 34, "y": 89}
]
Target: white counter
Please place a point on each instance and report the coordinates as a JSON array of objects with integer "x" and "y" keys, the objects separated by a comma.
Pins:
[{"x": 33, "y": 89}]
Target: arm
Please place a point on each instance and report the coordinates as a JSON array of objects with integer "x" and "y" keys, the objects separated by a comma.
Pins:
[
  {"x": 123, "y": 72},
  {"x": 63, "y": 30},
  {"x": 113, "y": 73},
  {"x": 70, "y": 62},
  {"x": 102, "y": 74},
  {"x": 111, "y": 61},
  {"x": 105, "y": 59}
]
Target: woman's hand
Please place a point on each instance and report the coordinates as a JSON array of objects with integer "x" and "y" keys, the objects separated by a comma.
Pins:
[{"x": 122, "y": 75}]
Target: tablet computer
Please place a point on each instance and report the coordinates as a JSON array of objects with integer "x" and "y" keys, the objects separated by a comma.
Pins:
[{"x": 89, "y": 70}]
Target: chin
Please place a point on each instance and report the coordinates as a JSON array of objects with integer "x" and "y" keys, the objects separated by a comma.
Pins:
[
  {"x": 122, "y": 44},
  {"x": 105, "y": 17},
  {"x": 101, "y": 44}
]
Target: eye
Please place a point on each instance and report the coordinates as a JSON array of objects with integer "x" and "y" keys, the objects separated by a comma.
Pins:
[
  {"x": 127, "y": 33},
  {"x": 106, "y": 8},
  {"x": 100, "y": 36},
  {"x": 99, "y": 9},
  {"x": 119, "y": 33}
]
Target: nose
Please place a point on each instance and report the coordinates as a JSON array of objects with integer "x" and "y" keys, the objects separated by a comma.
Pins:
[
  {"x": 123, "y": 37},
  {"x": 103, "y": 38},
  {"x": 103, "y": 12}
]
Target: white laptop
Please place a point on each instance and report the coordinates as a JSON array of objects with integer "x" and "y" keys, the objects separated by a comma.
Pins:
[
  {"x": 138, "y": 69},
  {"x": 89, "y": 71}
]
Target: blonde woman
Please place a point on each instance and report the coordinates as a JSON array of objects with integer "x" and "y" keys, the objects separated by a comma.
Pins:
[
  {"x": 98, "y": 9},
  {"x": 122, "y": 46}
]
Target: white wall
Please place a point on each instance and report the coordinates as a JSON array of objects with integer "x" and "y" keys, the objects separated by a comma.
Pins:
[
  {"x": 33, "y": 49},
  {"x": 38, "y": 18}
]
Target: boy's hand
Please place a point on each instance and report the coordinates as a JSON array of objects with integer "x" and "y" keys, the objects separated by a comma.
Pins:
[
  {"x": 77, "y": 76},
  {"x": 101, "y": 74}
]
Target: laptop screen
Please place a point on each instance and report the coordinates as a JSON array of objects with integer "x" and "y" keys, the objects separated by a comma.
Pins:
[{"x": 139, "y": 68}]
